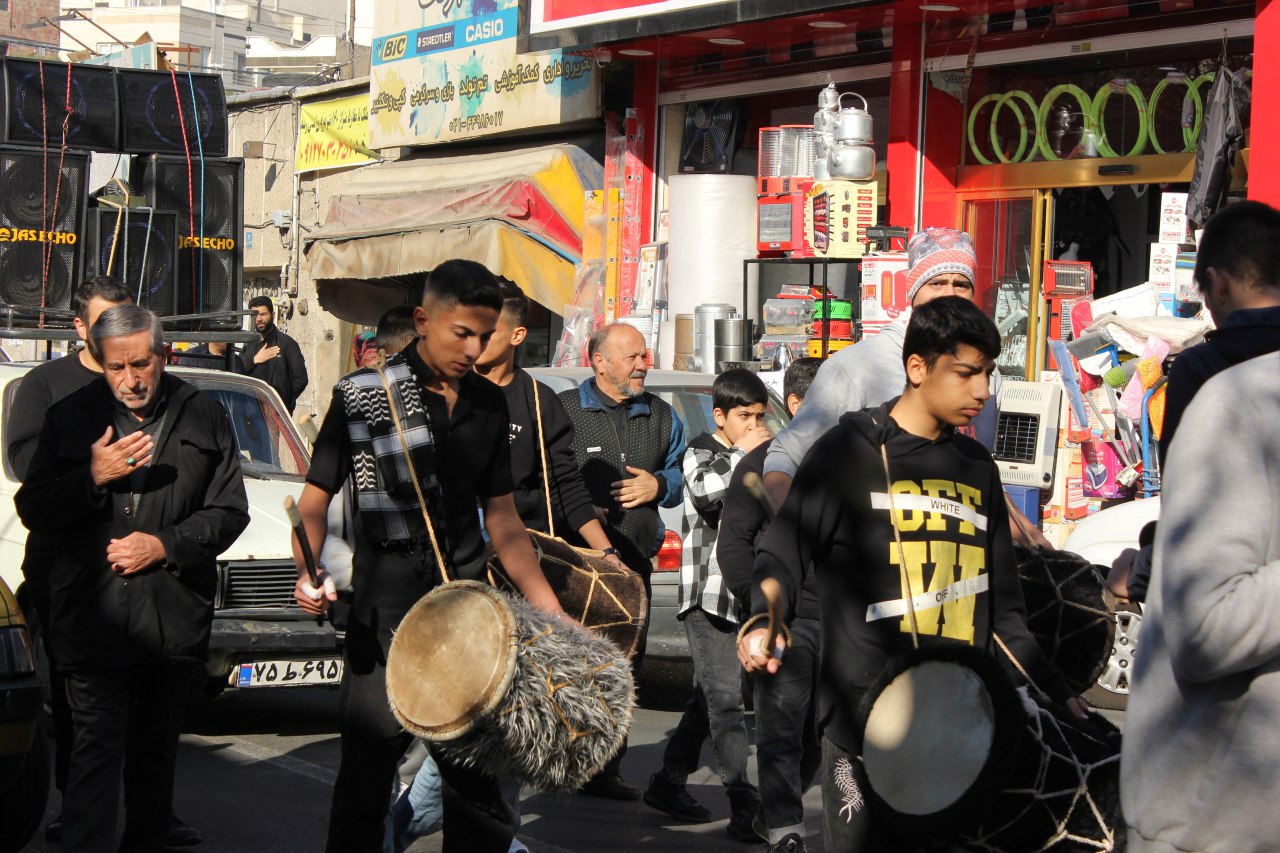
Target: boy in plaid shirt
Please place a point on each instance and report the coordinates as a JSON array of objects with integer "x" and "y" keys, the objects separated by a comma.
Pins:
[{"x": 710, "y": 615}]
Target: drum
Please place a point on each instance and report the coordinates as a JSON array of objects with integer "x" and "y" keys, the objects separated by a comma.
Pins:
[
  {"x": 940, "y": 731},
  {"x": 1070, "y": 612},
  {"x": 1063, "y": 792},
  {"x": 610, "y": 601},
  {"x": 500, "y": 685}
]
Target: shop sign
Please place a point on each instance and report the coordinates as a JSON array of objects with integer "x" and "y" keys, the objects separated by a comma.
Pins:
[
  {"x": 444, "y": 70},
  {"x": 548, "y": 15},
  {"x": 333, "y": 134}
]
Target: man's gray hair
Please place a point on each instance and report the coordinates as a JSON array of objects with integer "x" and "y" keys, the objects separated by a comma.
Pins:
[{"x": 121, "y": 321}]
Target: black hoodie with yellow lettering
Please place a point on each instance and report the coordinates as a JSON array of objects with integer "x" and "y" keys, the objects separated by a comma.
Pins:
[{"x": 955, "y": 538}]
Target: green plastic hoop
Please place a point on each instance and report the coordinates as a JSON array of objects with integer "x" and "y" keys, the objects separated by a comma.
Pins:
[
  {"x": 1042, "y": 116},
  {"x": 1099, "y": 106},
  {"x": 1189, "y": 134},
  {"x": 1001, "y": 102},
  {"x": 973, "y": 114}
]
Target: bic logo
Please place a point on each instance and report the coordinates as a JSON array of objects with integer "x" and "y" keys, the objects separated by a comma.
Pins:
[{"x": 393, "y": 48}]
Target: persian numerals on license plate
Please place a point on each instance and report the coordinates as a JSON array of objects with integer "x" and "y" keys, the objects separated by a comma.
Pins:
[{"x": 289, "y": 673}]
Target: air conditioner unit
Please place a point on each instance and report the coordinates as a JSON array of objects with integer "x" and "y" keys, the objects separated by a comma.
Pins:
[{"x": 1027, "y": 433}]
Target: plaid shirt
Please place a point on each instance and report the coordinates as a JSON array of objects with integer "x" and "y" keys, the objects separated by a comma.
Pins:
[{"x": 707, "y": 467}]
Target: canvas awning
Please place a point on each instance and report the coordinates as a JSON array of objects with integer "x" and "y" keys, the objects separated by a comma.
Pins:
[{"x": 518, "y": 213}]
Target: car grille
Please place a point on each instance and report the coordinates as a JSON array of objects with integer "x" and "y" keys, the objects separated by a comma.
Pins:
[{"x": 258, "y": 585}]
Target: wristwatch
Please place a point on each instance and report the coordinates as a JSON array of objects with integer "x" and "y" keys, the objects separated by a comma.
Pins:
[{"x": 610, "y": 552}]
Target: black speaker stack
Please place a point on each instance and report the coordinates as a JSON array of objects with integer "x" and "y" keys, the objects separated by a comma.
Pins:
[{"x": 175, "y": 243}]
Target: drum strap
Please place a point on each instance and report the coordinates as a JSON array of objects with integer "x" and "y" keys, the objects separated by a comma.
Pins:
[
  {"x": 542, "y": 453},
  {"x": 902, "y": 555},
  {"x": 394, "y": 408}
]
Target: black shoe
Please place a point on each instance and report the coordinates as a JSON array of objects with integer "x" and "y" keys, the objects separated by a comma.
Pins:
[
  {"x": 742, "y": 819},
  {"x": 610, "y": 787},
  {"x": 792, "y": 843},
  {"x": 181, "y": 834},
  {"x": 53, "y": 832},
  {"x": 675, "y": 800}
]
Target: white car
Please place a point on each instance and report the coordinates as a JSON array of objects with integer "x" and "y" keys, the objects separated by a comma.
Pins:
[
  {"x": 690, "y": 395},
  {"x": 1100, "y": 539},
  {"x": 261, "y": 638}
]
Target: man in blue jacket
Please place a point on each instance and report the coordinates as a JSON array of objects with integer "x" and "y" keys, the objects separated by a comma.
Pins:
[{"x": 629, "y": 445}]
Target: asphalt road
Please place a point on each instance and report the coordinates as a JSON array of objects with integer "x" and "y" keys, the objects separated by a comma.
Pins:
[
  {"x": 255, "y": 771},
  {"x": 256, "y": 767}
]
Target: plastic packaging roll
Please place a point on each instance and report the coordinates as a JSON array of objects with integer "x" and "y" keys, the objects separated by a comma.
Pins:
[{"x": 712, "y": 231}]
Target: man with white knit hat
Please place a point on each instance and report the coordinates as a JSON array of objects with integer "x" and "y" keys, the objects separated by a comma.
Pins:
[{"x": 940, "y": 262}]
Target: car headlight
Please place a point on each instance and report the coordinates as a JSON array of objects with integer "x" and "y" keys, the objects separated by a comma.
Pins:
[{"x": 15, "y": 652}]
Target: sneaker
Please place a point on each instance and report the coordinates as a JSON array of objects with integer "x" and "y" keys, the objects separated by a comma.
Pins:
[
  {"x": 517, "y": 846},
  {"x": 742, "y": 819},
  {"x": 610, "y": 787},
  {"x": 792, "y": 843},
  {"x": 675, "y": 800}
]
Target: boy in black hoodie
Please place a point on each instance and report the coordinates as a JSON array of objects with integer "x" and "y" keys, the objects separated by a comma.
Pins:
[{"x": 955, "y": 537}]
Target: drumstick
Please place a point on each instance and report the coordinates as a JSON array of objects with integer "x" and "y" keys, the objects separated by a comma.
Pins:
[
  {"x": 772, "y": 591},
  {"x": 304, "y": 544}
]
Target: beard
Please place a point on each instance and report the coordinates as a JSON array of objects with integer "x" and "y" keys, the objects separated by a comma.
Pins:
[{"x": 623, "y": 382}]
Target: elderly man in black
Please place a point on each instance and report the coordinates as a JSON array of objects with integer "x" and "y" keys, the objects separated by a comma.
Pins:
[{"x": 144, "y": 468}]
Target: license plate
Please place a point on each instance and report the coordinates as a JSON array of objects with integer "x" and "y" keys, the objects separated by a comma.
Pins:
[{"x": 289, "y": 673}]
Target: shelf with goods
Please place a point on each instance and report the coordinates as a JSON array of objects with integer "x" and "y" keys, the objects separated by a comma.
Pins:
[{"x": 816, "y": 274}]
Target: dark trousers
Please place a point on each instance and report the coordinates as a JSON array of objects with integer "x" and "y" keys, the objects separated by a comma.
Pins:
[
  {"x": 35, "y": 572},
  {"x": 475, "y": 816},
  {"x": 788, "y": 751},
  {"x": 714, "y": 709},
  {"x": 614, "y": 765},
  {"x": 127, "y": 721},
  {"x": 847, "y": 824}
]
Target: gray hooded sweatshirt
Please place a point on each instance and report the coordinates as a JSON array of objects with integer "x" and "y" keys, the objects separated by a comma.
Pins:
[
  {"x": 1201, "y": 761},
  {"x": 863, "y": 376}
]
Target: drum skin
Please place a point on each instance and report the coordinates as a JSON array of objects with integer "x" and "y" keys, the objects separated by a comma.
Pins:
[
  {"x": 497, "y": 684},
  {"x": 940, "y": 731},
  {"x": 452, "y": 659}
]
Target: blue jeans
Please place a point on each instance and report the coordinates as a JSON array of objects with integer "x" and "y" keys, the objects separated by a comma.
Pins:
[
  {"x": 788, "y": 752},
  {"x": 419, "y": 811},
  {"x": 714, "y": 709}
]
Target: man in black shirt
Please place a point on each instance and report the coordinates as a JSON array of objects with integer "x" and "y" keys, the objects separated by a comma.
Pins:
[
  {"x": 457, "y": 428},
  {"x": 571, "y": 503},
  {"x": 276, "y": 359}
]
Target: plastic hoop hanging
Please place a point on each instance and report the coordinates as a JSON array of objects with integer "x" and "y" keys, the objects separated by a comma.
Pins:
[
  {"x": 1099, "y": 107},
  {"x": 1042, "y": 116},
  {"x": 1189, "y": 133},
  {"x": 973, "y": 114},
  {"x": 1001, "y": 102}
]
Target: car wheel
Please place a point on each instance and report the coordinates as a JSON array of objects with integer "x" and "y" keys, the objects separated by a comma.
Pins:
[
  {"x": 23, "y": 803},
  {"x": 1112, "y": 690}
]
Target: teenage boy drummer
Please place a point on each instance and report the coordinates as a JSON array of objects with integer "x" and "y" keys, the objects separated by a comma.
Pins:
[{"x": 955, "y": 537}]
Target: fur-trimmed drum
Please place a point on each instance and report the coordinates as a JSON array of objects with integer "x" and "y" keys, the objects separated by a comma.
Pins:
[{"x": 498, "y": 684}]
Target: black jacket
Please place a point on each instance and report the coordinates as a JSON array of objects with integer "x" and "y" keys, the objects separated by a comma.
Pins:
[
  {"x": 287, "y": 372},
  {"x": 569, "y": 498},
  {"x": 194, "y": 501},
  {"x": 1247, "y": 333},
  {"x": 955, "y": 535},
  {"x": 742, "y": 525}
]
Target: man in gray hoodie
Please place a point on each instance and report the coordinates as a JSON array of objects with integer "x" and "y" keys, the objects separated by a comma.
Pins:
[{"x": 940, "y": 262}]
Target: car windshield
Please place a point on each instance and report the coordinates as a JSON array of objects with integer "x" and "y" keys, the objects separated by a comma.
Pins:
[{"x": 269, "y": 447}]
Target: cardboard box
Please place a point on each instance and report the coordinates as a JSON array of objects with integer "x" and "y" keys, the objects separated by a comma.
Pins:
[
  {"x": 837, "y": 215},
  {"x": 1173, "y": 218},
  {"x": 884, "y": 288},
  {"x": 1185, "y": 289}
]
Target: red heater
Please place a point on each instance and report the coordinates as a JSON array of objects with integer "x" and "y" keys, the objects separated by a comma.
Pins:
[
  {"x": 784, "y": 176},
  {"x": 1065, "y": 284}
]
